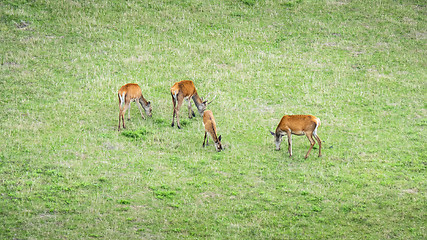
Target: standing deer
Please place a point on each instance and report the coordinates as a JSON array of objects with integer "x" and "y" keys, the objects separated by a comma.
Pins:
[
  {"x": 128, "y": 93},
  {"x": 185, "y": 90},
  {"x": 210, "y": 129},
  {"x": 298, "y": 125}
]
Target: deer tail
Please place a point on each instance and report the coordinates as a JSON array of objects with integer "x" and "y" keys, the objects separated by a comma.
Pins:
[{"x": 122, "y": 99}]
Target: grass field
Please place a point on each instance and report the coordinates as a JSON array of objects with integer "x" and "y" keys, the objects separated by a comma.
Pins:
[{"x": 67, "y": 173}]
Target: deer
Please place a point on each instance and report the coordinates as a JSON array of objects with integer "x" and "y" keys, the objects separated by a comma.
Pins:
[
  {"x": 210, "y": 129},
  {"x": 185, "y": 90},
  {"x": 128, "y": 93},
  {"x": 298, "y": 125}
]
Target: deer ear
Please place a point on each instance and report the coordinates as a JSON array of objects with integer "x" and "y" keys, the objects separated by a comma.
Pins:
[
  {"x": 272, "y": 133},
  {"x": 219, "y": 138}
]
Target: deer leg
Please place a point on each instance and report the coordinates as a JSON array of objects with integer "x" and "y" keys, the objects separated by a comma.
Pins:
[
  {"x": 289, "y": 143},
  {"x": 204, "y": 140},
  {"x": 120, "y": 116},
  {"x": 320, "y": 144},
  {"x": 178, "y": 105},
  {"x": 123, "y": 120},
  {"x": 312, "y": 142},
  {"x": 190, "y": 110},
  {"x": 129, "y": 112},
  {"x": 125, "y": 107},
  {"x": 140, "y": 109},
  {"x": 173, "y": 114}
]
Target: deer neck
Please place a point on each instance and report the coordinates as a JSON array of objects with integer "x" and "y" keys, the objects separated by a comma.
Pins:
[
  {"x": 143, "y": 101},
  {"x": 214, "y": 136},
  {"x": 199, "y": 103}
]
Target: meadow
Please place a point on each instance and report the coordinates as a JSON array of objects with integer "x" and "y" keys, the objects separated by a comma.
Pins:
[{"x": 67, "y": 173}]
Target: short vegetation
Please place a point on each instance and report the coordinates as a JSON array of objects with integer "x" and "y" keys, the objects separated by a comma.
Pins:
[{"x": 67, "y": 173}]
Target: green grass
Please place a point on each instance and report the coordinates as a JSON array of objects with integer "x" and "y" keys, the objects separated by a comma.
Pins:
[{"x": 67, "y": 173}]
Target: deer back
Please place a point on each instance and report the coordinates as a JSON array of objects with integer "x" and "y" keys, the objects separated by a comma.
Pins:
[
  {"x": 209, "y": 123},
  {"x": 131, "y": 91},
  {"x": 185, "y": 87},
  {"x": 298, "y": 123}
]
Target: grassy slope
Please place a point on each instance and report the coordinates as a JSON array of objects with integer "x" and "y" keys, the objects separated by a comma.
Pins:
[{"x": 358, "y": 66}]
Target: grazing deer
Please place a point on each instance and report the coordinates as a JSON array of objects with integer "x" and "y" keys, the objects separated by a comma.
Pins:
[
  {"x": 128, "y": 93},
  {"x": 186, "y": 90},
  {"x": 210, "y": 129},
  {"x": 298, "y": 125}
]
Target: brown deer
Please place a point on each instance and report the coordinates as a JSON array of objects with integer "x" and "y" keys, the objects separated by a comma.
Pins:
[
  {"x": 298, "y": 125},
  {"x": 185, "y": 90},
  {"x": 210, "y": 129},
  {"x": 128, "y": 93}
]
